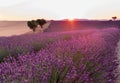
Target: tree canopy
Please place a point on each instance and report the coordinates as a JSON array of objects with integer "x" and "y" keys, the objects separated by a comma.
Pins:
[
  {"x": 34, "y": 23},
  {"x": 41, "y": 22}
]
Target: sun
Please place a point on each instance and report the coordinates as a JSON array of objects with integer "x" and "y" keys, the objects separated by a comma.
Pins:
[{"x": 71, "y": 19}]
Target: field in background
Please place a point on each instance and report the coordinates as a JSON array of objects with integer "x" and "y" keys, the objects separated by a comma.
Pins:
[
  {"x": 65, "y": 25},
  {"x": 9, "y": 28}
]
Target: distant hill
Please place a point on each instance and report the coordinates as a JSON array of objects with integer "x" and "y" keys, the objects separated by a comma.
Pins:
[{"x": 75, "y": 19}]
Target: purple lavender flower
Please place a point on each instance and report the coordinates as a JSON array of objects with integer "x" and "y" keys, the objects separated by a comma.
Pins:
[{"x": 65, "y": 57}]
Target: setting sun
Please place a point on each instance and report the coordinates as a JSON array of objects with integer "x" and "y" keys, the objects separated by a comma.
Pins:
[{"x": 71, "y": 19}]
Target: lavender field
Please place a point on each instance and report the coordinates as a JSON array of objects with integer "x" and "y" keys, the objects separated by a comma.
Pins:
[{"x": 80, "y": 56}]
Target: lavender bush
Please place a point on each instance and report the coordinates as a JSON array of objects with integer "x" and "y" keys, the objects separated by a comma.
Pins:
[{"x": 66, "y": 57}]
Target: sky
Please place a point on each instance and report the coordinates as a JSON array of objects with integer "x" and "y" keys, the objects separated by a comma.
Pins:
[{"x": 58, "y": 9}]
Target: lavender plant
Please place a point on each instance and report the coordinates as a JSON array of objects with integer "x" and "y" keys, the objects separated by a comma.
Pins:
[{"x": 65, "y": 57}]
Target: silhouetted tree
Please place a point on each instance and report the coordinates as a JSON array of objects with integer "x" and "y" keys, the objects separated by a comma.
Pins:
[
  {"x": 114, "y": 18},
  {"x": 32, "y": 24},
  {"x": 41, "y": 22}
]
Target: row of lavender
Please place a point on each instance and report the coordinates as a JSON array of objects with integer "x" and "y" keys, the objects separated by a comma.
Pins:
[
  {"x": 67, "y": 57},
  {"x": 17, "y": 45}
]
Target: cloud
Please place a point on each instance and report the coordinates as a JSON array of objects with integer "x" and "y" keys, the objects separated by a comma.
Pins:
[{"x": 8, "y": 3}]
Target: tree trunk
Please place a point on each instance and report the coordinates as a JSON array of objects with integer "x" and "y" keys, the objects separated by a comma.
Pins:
[
  {"x": 41, "y": 26},
  {"x": 33, "y": 29}
]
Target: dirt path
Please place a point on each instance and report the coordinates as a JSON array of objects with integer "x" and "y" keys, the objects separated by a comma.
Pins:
[{"x": 45, "y": 26}]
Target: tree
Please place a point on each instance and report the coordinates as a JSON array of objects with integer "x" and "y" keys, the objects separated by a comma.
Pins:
[
  {"x": 114, "y": 18},
  {"x": 41, "y": 22},
  {"x": 32, "y": 24}
]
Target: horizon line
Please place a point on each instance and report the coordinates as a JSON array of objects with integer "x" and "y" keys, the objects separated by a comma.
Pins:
[{"x": 56, "y": 19}]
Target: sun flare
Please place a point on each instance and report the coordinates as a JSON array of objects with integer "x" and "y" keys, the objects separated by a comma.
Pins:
[{"x": 71, "y": 19}]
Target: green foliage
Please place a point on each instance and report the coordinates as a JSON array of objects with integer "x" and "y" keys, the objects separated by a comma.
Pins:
[
  {"x": 3, "y": 53},
  {"x": 50, "y": 40},
  {"x": 41, "y": 45},
  {"x": 11, "y": 52},
  {"x": 32, "y": 24},
  {"x": 18, "y": 50},
  {"x": 41, "y": 22},
  {"x": 38, "y": 46},
  {"x": 114, "y": 18},
  {"x": 67, "y": 37},
  {"x": 58, "y": 76},
  {"x": 76, "y": 58}
]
